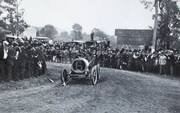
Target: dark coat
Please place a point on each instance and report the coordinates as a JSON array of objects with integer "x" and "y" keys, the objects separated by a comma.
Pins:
[
  {"x": 1, "y": 51},
  {"x": 11, "y": 55}
]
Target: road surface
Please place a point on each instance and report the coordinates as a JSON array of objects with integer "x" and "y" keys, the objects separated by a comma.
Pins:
[{"x": 118, "y": 91}]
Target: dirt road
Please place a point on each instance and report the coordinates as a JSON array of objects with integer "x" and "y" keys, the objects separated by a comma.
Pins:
[{"x": 118, "y": 91}]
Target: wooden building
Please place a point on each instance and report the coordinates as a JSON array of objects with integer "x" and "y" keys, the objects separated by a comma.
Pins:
[{"x": 134, "y": 38}]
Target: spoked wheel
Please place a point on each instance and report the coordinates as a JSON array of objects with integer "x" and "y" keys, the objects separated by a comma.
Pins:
[
  {"x": 94, "y": 77},
  {"x": 64, "y": 77},
  {"x": 98, "y": 72}
]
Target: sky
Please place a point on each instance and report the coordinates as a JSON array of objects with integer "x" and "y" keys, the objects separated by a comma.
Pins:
[{"x": 106, "y": 15}]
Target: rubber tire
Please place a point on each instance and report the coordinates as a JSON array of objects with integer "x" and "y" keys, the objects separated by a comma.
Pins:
[
  {"x": 94, "y": 77},
  {"x": 98, "y": 72},
  {"x": 64, "y": 76}
]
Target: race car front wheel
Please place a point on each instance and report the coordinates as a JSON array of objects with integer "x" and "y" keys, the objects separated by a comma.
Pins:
[
  {"x": 98, "y": 72},
  {"x": 94, "y": 76}
]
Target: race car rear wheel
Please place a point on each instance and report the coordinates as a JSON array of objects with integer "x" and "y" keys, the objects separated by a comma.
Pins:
[
  {"x": 98, "y": 72},
  {"x": 64, "y": 76},
  {"x": 94, "y": 77}
]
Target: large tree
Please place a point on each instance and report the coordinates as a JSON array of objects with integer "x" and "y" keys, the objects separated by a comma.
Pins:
[
  {"x": 3, "y": 25},
  {"x": 64, "y": 34},
  {"x": 12, "y": 16},
  {"x": 101, "y": 34},
  {"x": 48, "y": 31},
  {"x": 169, "y": 21},
  {"x": 169, "y": 24},
  {"x": 77, "y": 31}
]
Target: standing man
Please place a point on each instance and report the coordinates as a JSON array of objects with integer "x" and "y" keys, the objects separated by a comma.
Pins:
[
  {"x": 30, "y": 61},
  {"x": 10, "y": 62},
  {"x": 163, "y": 63},
  {"x": 92, "y": 36},
  {"x": 17, "y": 62},
  {"x": 2, "y": 60},
  {"x": 22, "y": 60}
]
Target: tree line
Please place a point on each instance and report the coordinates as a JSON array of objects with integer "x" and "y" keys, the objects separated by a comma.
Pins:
[{"x": 76, "y": 33}]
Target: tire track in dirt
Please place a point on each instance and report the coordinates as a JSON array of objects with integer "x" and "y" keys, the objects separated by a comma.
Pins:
[
  {"x": 24, "y": 92},
  {"x": 117, "y": 91}
]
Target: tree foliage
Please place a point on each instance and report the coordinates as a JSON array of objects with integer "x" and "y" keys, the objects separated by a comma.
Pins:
[
  {"x": 147, "y": 4},
  {"x": 77, "y": 27},
  {"x": 64, "y": 34},
  {"x": 99, "y": 33},
  {"x": 169, "y": 24},
  {"x": 48, "y": 31},
  {"x": 12, "y": 19},
  {"x": 169, "y": 21},
  {"x": 77, "y": 32}
]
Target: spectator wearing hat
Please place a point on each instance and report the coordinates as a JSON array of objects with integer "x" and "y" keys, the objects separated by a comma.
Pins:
[
  {"x": 17, "y": 62},
  {"x": 29, "y": 61},
  {"x": 171, "y": 64},
  {"x": 43, "y": 59},
  {"x": 22, "y": 59},
  {"x": 177, "y": 65},
  {"x": 10, "y": 60},
  {"x": 118, "y": 59},
  {"x": 2, "y": 62},
  {"x": 162, "y": 63},
  {"x": 130, "y": 61},
  {"x": 37, "y": 61}
]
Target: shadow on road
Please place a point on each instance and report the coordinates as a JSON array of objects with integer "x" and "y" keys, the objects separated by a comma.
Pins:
[
  {"x": 79, "y": 81},
  {"x": 85, "y": 81}
]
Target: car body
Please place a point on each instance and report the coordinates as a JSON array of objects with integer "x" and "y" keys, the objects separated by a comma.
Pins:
[{"x": 84, "y": 66}]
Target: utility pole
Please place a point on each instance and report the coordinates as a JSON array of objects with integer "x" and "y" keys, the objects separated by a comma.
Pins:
[{"x": 155, "y": 26}]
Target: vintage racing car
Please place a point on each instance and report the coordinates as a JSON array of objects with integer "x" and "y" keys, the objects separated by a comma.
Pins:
[{"x": 84, "y": 66}]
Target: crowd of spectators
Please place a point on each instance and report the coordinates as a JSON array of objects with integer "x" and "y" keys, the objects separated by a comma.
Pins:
[
  {"x": 21, "y": 59},
  {"x": 165, "y": 62}
]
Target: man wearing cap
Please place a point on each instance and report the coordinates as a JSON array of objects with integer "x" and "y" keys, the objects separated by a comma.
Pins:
[
  {"x": 2, "y": 62},
  {"x": 162, "y": 62},
  {"x": 17, "y": 61},
  {"x": 10, "y": 61},
  {"x": 43, "y": 59},
  {"x": 37, "y": 61},
  {"x": 30, "y": 61},
  {"x": 22, "y": 59}
]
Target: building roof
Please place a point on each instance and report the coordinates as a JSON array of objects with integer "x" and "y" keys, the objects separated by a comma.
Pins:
[{"x": 121, "y": 32}]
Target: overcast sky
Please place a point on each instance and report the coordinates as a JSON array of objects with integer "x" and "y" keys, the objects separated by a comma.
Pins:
[{"x": 107, "y": 15}]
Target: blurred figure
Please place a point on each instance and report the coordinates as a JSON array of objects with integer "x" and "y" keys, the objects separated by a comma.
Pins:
[
  {"x": 92, "y": 36},
  {"x": 10, "y": 61},
  {"x": 162, "y": 63}
]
